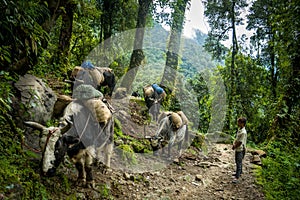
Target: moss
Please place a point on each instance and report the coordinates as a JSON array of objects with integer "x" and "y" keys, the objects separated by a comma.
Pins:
[
  {"x": 19, "y": 178},
  {"x": 18, "y": 168},
  {"x": 137, "y": 147},
  {"x": 105, "y": 192},
  {"x": 118, "y": 128},
  {"x": 192, "y": 151},
  {"x": 198, "y": 141},
  {"x": 139, "y": 101},
  {"x": 128, "y": 154},
  {"x": 141, "y": 146}
]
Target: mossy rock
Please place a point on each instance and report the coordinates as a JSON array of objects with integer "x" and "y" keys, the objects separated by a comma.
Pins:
[
  {"x": 141, "y": 146},
  {"x": 198, "y": 141},
  {"x": 128, "y": 154},
  {"x": 138, "y": 101},
  {"x": 118, "y": 128}
]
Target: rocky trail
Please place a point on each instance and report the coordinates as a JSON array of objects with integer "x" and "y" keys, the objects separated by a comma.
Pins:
[{"x": 193, "y": 176}]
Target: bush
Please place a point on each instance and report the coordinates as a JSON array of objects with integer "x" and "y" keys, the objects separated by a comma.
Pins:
[
  {"x": 19, "y": 179},
  {"x": 280, "y": 173}
]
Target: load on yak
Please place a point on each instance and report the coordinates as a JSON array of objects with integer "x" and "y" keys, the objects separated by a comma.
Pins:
[
  {"x": 173, "y": 128},
  {"x": 89, "y": 74}
]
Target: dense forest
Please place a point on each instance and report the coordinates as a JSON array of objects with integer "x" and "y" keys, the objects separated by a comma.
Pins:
[{"x": 257, "y": 76}]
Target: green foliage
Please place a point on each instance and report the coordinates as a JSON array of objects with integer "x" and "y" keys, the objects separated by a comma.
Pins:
[
  {"x": 21, "y": 34},
  {"x": 128, "y": 154},
  {"x": 198, "y": 141},
  {"x": 280, "y": 173},
  {"x": 141, "y": 146},
  {"x": 18, "y": 168},
  {"x": 252, "y": 98},
  {"x": 105, "y": 192},
  {"x": 223, "y": 16},
  {"x": 204, "y": 101}
]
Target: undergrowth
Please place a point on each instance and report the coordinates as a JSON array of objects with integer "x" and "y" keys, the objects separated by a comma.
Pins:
[
  {"x": 18, "y": 171},
  {"x": 280, "y": 172}
]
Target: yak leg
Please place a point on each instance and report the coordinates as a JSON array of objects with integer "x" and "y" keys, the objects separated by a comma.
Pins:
[
  {"x": 171, "y": 142},
  {"x": 180, "y": 147},
  {"x": 157, "y": 109},
  {"x": 89, "y": 173},
  {"x": 108, "y": 153},
  {"x": 181, "y": 137},
  {"x": 89, "y": 177},
  {"x": 81, "y": 176}
]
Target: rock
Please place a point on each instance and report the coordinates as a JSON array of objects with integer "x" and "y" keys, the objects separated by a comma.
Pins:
[
  {"x": 126, "y": 176},
  {"x": 120, "y": 93},
  {"x": 204, "y": 164},
  {"x": 95, "y": 195},
  {"x": 198, "y": 177},
  {"x": 80, "y": 195},
  {"x": 256, "y": 160},
  {"x": 35, "y": 101},
  {"x": 260, "y": 153}
]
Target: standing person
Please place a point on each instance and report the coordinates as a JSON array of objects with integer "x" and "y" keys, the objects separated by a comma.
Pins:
[{"x": 239, "y": 146}]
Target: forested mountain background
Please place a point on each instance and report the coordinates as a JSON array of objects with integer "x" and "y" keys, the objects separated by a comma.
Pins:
[{"x": 261, "y": 80}]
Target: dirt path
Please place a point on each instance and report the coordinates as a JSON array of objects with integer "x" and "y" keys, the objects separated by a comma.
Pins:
[{"x": 193, "y": 176}]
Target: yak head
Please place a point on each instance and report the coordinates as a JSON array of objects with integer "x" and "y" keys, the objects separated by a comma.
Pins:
[{"x": 54, "y": 145}]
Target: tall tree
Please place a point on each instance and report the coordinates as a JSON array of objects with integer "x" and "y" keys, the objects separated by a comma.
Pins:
[
  {"x": 137, "y": 55},
  {"x": 117, "y": 16},
  {"x": 65, "y": 33},
  {"x": 287, "y": 46},
  {"x": 177, "y": 23},
  {"x": 223, "y": 17},
  {"x": 25, "y": 32},
  {"x": 263, "y": 39}
]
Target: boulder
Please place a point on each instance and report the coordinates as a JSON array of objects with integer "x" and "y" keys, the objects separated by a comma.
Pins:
[
  {"x": 256, "y": 160},
  {"x": 120, "y": 93},
  {"x": 260, "y": 153},
  {"x": 34, "y": 100}
]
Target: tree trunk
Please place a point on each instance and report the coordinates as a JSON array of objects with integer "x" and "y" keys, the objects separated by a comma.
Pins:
[
  {"x": 273, "y": 68},
  {"x": 65, "y": 34},
  {"x": 106, "y": 30},
  {"x": 137, "y": 55},
  {"x": 232, "y": 91},
  {"x": 170, "y": 71}
]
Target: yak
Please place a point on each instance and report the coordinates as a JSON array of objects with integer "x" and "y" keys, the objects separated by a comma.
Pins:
[
  {"x": 84, "y": 131},
  {"x": 98, "y": 77},
  {"x": 173, "y": 128}
]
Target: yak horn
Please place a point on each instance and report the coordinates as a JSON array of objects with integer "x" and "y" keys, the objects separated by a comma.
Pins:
[
  {"x": 79, "y": 80},
  {"x": 35, "y": 125},
  {"x": 69, "y": 81}
]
